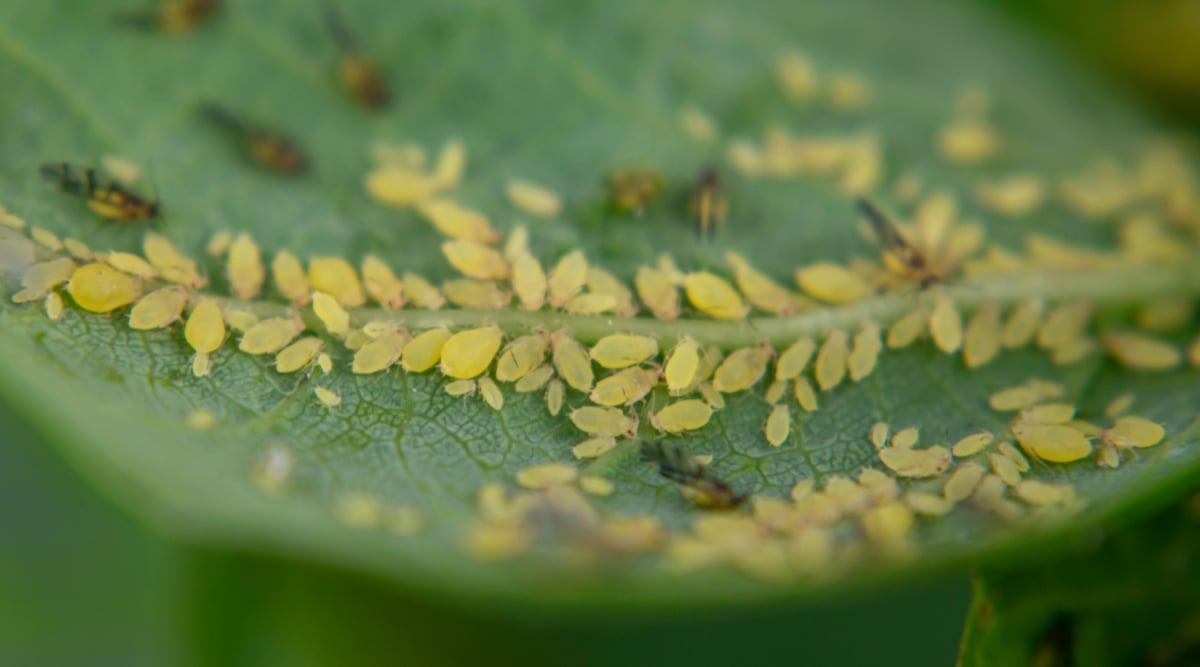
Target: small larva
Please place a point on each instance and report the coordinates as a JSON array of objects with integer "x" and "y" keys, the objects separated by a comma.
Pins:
[
  {"x": 53, "y": 306},
  {"x": 831, "y": 360},
  {"x": 298, "y": 355},
  {"x": 602, "y": 421},
  {"x": 686, "y": 415},
  {"x": 566, "y": 279},
  {"x": 490, "y": 391},
  {"x": 776, "y": 391},
  {"x": 779, "y": 424},
  {"x": 622, "y": 350},
  {"x": 381, "y": 283},
  {"x": 330, "y": 312},
  {"x": 424, "y": 350},
  {"x": 714, "y": 297},
  {"x": 337, "y": 278},
  {"x": 572, "y": 362},
  {"x": 742, "y": 369},
  {"x": 468, "y": 353},
  {"x": 459, "y": 388},
  {"x": 290, "y": 279},
  {"x": 270, "y": 335},
  {"x": 244, "y": 268},
  {"x": 711, "y": 396},
  {"x": 327, "y": 397},
  {"x": 555, "y": 392},
  {"x": 879, "y": 434},
  {"x": 805, "y": 395}
]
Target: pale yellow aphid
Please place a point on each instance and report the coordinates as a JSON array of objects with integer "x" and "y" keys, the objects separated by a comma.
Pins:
[
  {"x": 1058, "y": 443},
  {"x": 201, "y": 419},
  {"x": 596, "y": 486},
  {"x": 496, "y": 542},
  {"x": 623, "y": 350},
  {"x": 1052, "y": 413},
  {"x": 945, "y": 326},
  {"x": 971, "y": 445},
  {"x": 158, "y": 309},
  {"x": 572, "y": 362},
  {"x": 1159, "y": 315},
  {"x": 1013, "y": 454},
  {"x": 593, "y": 447},
  {"x": 458, "y": 222},
  {"x": 534, "y": 380},
  {"x": 601, "y": 421},
  {"x": 45, "y": 238},
  {"x": 1024, "y": 395},
  {"x": 476, "y": 260},
  {"x": 682, "y": 365},
  {"x": 555, "y": 393},
  {"x": 796, "y": 77},
  {"x": 298, "y": 355},
  {"x": 270, "y": 335},
  {"x": 776, "y": 391},
  {"x": 963, "y": 482},
  {"x": 1142, "y": 352},
  {"x": 517, "y": 243},
  {"x": 131, "y": 264},
  {"x": 380, "y": 354},
  {"x": 219, "y": 243},
  {"x": 742, "y": 369},
  {"x": 424, "y": 350},
  {"x": 762, "y": 292},
  {"x": 888, "y": 525},
  {"x": 521, "y": 356},
  {"x": 534, "y": 199},
  {"x": 905, "y": 438},
  {"x": 879, "y": 434},
  {"x": 600, "y": 282},
  {"x": 881, "y": 486},
  {"x": 325, "y": 363},
  {"x": 11, "y": 221},
  {"x": 968, "y": 141},
  {"x": 244, "y": 268},
  {"x": 981, "y": 342},
  {"x": 450, "y": 165},
  {"x": 865, "y": 354},
  {"x": 779, "y": 425},
  {"x": 78, "y": 249},
  {"x": 460, "y": 388},
  {"x": 906, "y": 330},
  {"x": 848, "y": 91},
  {"x": 915, "y": 462},
  {"x": 830, "y": 366},
  {"x": 989, "y": 495},
  {"x": 205, "y": 328},
  {"x": 481, "y": 294},
  {"x": 337, "y": 278},
  {"x": 468, "y": 353},
  {"x": 795, "y": 358},
  {"x": 624, "y": 387},
  {"x": 381, "y": 283},
  {"x": 697, "y": 125},
  {"x": 529, "y": 281},
  {"x": 848, "y": 496},
  {"x": 330, "y": 312},
  {"x": 832, "y": 283},
  {"x": 1013, "y": 196},
  {"x": 686, "y": 415},
  {"x": 1064, "y": 324},
  {"x": 711, "y": 396},
  {"x": 1036, "y": 492},
  {"x": 490, "y": 391},
  {"x": 239, "y": 319},
  {"x": 1005, "y": 469},
  {"x": 99, "y": 288},
  {"x": 714, "y": 296},
  {"x": 327, "y": 397},
  {"x": 1119, "y": 405},
  {"x": 42, "y": 277},
  {"x": 422, "y": 293},
  {"x": 566, "y": 279},
  {"x": 928, "y": 504},
  {"x": 1131, "y": 431},
  {"x": 1109, "y": 457},
  {"x": 591, "y": 304},
  {"x": 658, "y": 292},
  {"x": 290, "y": 279},
  {"x": 53, "y": 305}
]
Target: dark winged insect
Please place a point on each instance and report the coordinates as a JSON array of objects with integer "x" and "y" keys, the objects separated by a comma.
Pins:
[
  {"x": 708, "y": 203},
  {"x": 267, "y": 148},
  {"x": 173, "y": 16},
  {"x": 911, "y": 261},
  {"x": 104, "y": 195},
  {"x": 696, "y": 483},
  {"x": 358, "y": 74}
]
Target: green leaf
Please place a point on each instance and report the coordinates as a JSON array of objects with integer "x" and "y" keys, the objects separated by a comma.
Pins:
[{"x": 559, "y": 94}]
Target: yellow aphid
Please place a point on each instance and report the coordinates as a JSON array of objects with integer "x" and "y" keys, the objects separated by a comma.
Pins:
[
  {"x": 290, "y": 279},
  {"x": 219, "y": 243},
  {"x": 567, "y": 278},
  {"x": 11, "y": 221},
  {"x": 77, "y": 249},
  {"x": 424, "y": 350},
  {"x": 600, "y": 281},
  {"x": 496, "y": 542},
  {"x": 490, "y": 391},
  {"x": 915, "y": 462},
  {"x": 888, "y": 525},
  {"x": 201, "y": 419},
  {"x": 660, "y": 294},
  {"x": 795, "y": 358},
  {"x": 968, "y": 141},
  {"x": 450, "y": 165},
  {"x": 555, "y": 392},
  {"x": 42, "y": 277},
  {"x": 205, "y": 328},
  {"x": 1014, "y": 196},
  {"x": 1036, "y": 492},
  {"x": 529, "y": 281},
  {"x": 1159, "y": 315},
  {"x": 422, "y": 293},
  {"x": 54, "y": 306},
  {"x": 327, "y": 397},
  {"x": 591, "y": 304},
  {"x": 711, "y": 396},
  {"x": 245, "y": 268},
  {"x": 158, "y": 309},
  {"x": 881, "y": 486},
  {"x": 533, "y": 199},
  {"x": 399, "y": 185},
  {"x": 776, "y": 391},
  {"x": 927, "y": 503},
  {"x": 1119, "y": 405},
  {"x": 599, "y": 421},
  {"x": 1005, "y": 469},
  {"x": 945, "y": 326},
  {"x": 596, "y": 486},
  {"x": 972, "y": 444},
  {"x": 714, "y": 296},
  {"x": 848, "y": 496},
  {"x": 1024, "y": 395},
  {"x": 1133, "y": 431},
  {"x": 865, "y": 354},
  {"x": 906, "y": 438},
  {"x": 481, "y": 294},
  {"x": 848, "y": 91},
  {"x": 796, "y": 77},
  {"x": 906, "y": 330},
  {"x": 1109, "y": 457},
  {"x": 337, "y": 278},
  {"x": 1064, "y": 324},
  {"x": 45, "y": 238},
  {"x": 379, "y": 354},
  {"x": 1142, "y": 352},
  {"x": 270, "y": 335},
  {"x": 963, "y": 482},
  {"x": 330, "y": 312},
  {"x": 762, "y": 292},
  {"x": 458, "y": 222},
  {"x": 593, "y": 447},
  {"x": 99, "y": 288},
  {"x": 981, "y": 342},
  {"x": 572, "y": 362},
  {"x": 381, "y": 283},
  {"x": 517, "y": 243},
  {"x": 622, "y": 350},
  {"x": 742, "y": 369},
  {"x": 831, "y": 360},
  {"x": 832, "y": 283},
  {"x": 779, "y": 424},
  {"x": 1053, "y": 413},
  {"x": 686, "y": 415},
  {"x": 1058, "y": 443},
  {"x": 698, "y": 125},
  {"x": 624, "y": 387},
  {"x": 131, "y": 264},
  {"x": 682, "y": 365},
  {"x": 325, "y": 363},
  {"x": 475, "y": 260},
  {"x": 879, "y": 434},
  {"x": 460, "y": 388},
  {"x": 521, "y": 356},
  {"x": 1013, "y": 454},
  {"x": 534, "y": 380},
  {"x": 239, "y": 319},
  {"x": 468, "y": 353},
  {"x": 298, "y": 355}
]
